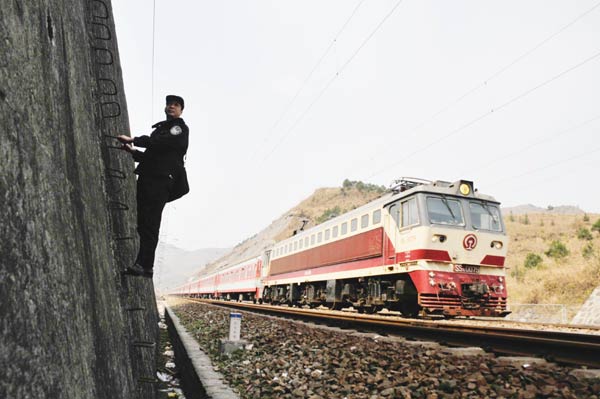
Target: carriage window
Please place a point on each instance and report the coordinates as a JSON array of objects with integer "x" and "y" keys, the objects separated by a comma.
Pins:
[
  {"x": 334, "y": 232},
  {"x": 344, "y": 228},
  {"x": 306, "y": 242},
  {"x": 319, "y": 236},
  {"x": 444, "y": 210},
  {"x": 312, "y": 240},
  {"x": 364, "y": 221},
  {"x": 353, "y": 224},
  {"x": 377, "y": 216},
  {"x": 327, "y": 234},
  {"x": 295, "y": 245},
  {"x": 410, "y": 215},
  {"x": 485, "y": 216},
  {"x": 301, "y": 243}
]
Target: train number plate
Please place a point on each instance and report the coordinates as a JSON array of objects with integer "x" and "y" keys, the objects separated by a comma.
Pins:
[{"x": 466, "y": 269}]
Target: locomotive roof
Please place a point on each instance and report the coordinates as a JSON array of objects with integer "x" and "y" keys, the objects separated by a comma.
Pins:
[{"x": 435, "y": 187}]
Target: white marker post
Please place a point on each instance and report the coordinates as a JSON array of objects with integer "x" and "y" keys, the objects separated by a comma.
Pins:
[
  {"x": 234, "y": 343},
  {"x": 235, "y": 326}
]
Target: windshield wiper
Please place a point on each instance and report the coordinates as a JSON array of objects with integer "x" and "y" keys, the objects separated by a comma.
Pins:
[
  {"x": 487, "y": 209},
  {"x": 445, "y": 201}
]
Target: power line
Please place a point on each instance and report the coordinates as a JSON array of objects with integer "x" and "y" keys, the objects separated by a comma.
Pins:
[
  {"x": 494, "y": 75},
  {"x": 531, "y": 171},
  {"x": 534, "y": 144},
  {"x": 488, "y": 113},
  {"x": 153, "y": 38},
  {"x": 309, "y": 76},
  {"x": 301, "y": 117}
]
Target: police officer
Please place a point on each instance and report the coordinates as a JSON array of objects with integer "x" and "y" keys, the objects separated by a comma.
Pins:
[{"x": 159, "y": 167}]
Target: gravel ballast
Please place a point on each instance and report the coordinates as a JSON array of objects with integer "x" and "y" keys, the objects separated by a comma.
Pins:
[{"x": 287, "y": 359}]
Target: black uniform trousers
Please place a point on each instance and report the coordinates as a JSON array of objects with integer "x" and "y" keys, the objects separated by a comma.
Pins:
[{"x": 152, "y": 195}]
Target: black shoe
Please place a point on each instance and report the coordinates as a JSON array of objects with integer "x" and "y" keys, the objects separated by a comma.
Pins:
[{"x": 134, "y": 270}]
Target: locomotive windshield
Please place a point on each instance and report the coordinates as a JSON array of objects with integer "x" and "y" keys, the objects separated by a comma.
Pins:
[
  {"x": 485, "y": 216},
  {"x": 443, "y": 210}
]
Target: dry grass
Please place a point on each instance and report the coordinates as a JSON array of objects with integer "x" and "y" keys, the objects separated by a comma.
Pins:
[{"x": 567, "y": 281}]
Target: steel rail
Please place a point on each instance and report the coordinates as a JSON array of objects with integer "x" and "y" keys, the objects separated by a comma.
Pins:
[{"x": 554, "y": 346}]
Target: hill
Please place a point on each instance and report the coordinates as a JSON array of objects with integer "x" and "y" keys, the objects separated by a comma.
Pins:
[{"x": 322, "y": 205}]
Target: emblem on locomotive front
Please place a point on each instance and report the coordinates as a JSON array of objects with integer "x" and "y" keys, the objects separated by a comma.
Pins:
[{"x": 470, "y": 242}]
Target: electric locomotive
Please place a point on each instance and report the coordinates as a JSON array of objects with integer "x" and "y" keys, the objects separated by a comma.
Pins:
[{"x": 429, "y": 248}]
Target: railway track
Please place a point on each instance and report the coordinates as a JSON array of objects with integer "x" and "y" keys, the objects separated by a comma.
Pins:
[{"x": 572, "y": 348}]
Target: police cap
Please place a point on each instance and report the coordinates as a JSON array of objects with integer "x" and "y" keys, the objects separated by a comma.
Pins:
[{"x": 175, "y": 99}]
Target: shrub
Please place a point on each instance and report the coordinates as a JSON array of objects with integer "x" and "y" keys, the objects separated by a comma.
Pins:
[
  {"x": 511, "y": 217},
  {"x": 361, "y": 186},
  {"x": 588, "y": 250},
  {"x": 525, "y": 219},
  {"x": 586, "y": 218},
  {"x": 584, "y": 234},
  {"x": 328, "y": 214},
  {"x": 557, "y": 250},
  {"x": 596, "y": 226},
  {"x": 532, "y": 260}
]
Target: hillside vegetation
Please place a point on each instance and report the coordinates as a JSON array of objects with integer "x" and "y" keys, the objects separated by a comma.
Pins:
[
  {"x": 553, "y": 258},
  {"x": 327, "y": 203}
]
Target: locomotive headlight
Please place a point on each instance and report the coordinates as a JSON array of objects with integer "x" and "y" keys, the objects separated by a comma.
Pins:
[
  {"x": 497, "y": 244},
  {"x": 465, "y": 189},
  {"x": 438, "y": 237}
]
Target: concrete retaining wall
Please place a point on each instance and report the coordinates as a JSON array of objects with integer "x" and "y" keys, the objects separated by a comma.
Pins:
[{"x": 70, "y": 325}]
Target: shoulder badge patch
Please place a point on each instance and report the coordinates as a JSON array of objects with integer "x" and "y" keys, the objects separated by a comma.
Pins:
[{"x": 175, "y": 130}]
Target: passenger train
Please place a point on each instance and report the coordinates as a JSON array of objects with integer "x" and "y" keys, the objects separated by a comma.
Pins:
[{"x": 424, "y": 248}]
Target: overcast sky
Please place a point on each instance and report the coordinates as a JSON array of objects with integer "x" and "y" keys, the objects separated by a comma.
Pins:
[{"x": 284, "y": 97}]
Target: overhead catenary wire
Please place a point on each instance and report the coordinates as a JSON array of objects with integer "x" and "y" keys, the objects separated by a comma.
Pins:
[
  {"x": 331, "y": 80},
  {"x": 152, "y": 61},
  {"x": 486, "y": 114},
  {"x": 485, "y": 82},
  {"x": 534, "y": 144},
  {"x": 556, "y": 163},
  {"x": 308, "y": 77}
]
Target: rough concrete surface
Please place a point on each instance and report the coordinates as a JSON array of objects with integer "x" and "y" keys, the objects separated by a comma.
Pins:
[
  {"x": 70, "y": 325},
  {"x": 589, "y": 314}
]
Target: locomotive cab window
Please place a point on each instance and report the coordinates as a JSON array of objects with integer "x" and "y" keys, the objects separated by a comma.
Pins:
[
  {"x": 405, "y": 213},
  {"x": 485, "y": 216},
  {"x": 444, "y": 210}
]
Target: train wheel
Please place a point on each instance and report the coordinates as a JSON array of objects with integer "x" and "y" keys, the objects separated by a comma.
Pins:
[
  {"x": 335, "y": 305},
  {"x": 409, "y": 309}
]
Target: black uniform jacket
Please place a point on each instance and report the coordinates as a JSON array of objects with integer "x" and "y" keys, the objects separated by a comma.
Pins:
[{"x": 165, "y": 149}]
